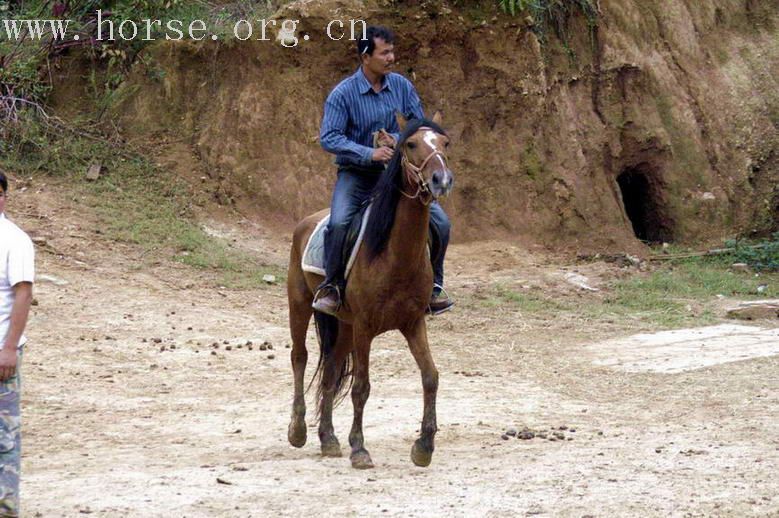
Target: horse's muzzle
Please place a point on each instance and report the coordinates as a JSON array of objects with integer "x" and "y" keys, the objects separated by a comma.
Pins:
[{"x": 442, "y": 183}]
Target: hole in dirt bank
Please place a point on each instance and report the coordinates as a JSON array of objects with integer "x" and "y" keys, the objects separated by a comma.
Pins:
[{"x": 642, "y": 197}]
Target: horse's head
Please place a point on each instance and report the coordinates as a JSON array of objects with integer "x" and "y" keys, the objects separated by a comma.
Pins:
[{"x": 424, "y": 162}]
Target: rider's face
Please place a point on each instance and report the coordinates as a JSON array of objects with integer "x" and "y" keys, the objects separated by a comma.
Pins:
[{"x": 382, "y": 59}]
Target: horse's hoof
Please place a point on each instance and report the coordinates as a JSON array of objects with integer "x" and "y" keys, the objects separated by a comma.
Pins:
[
  {"x": 361, "y": 459},
  {"x": 296, "y": 433},
  {"x": 420, "y": 455},
  {"x": 331, "y": 448}
]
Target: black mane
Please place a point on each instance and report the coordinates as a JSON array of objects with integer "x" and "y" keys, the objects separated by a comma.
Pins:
[{"x": 386, "y": 194}]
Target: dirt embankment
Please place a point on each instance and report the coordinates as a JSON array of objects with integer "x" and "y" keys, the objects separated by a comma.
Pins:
[{"x": 659, "y": 123}]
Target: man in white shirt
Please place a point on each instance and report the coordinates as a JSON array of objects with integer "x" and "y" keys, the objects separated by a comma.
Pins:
[{"x": 17, "y": 273}]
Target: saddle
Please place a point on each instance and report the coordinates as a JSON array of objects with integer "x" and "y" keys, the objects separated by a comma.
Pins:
[
  {"x": 314, "y": 254},
  {"x": 313, "y": 260}
]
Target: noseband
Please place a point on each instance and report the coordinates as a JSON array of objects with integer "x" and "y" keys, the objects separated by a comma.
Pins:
[{"x": 414, "y": 175}]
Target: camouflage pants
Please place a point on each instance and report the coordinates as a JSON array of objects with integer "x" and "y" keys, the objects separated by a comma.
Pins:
[{"x": 10, "y": 442}]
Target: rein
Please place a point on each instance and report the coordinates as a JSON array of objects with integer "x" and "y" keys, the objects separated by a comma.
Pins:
[{"x": 414, "y": 175}]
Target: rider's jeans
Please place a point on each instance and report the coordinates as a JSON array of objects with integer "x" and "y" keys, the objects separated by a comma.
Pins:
[{"x": 351, "y": 190}]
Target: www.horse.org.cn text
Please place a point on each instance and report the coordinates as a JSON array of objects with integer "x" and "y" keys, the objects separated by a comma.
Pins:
[{"x": 283, "y": 32}]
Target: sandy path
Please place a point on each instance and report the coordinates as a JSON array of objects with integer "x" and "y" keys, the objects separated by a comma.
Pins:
[{"x": 115, "y": 426}]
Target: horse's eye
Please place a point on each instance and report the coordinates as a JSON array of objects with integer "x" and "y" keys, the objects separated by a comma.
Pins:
[
  {"x": 411, "y": 145},
  {"x": 447, "y": 144}
]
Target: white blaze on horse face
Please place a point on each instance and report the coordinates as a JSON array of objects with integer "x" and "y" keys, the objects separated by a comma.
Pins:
[
  {"x": 431, "y": 139},
  {"x": 442, "y": 177}
]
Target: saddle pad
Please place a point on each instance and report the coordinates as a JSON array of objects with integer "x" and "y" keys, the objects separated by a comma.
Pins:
[{"x": 314, "y": 254}]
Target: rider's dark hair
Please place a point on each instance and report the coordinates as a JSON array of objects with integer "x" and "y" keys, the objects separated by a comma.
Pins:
[
  {"x": 367, "y": 45},
  {"x": 3, "y": 182}
]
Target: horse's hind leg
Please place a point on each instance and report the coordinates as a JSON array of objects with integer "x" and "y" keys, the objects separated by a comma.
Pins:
[
  {"x": 299, "y": 316},
  {"x": 333, "y": 375},
  {"x": 422, "y": 452}
]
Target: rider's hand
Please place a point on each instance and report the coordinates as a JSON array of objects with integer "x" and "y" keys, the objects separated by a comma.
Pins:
[
  {"x": 385, "y": 139},
  {"x": 382, "y": 154}
]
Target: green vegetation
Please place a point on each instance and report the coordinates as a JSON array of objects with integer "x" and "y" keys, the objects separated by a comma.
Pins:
[
  {"x": 679, "y": 295},
  {"x": 532, "y": 165},
  {"x": 665, "y": 295},
  {"x": 699, "y": 280},
  {"x": 529, "y": 302},
  {"x": 24, "y": 64},
  {"x": 134, "y": 200},
  {"x": 552, "y": 14},
  {"x": 761, "y": 256}
]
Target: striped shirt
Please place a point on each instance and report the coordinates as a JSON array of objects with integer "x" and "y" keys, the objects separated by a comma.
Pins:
[{"x": 354, "y": 111}]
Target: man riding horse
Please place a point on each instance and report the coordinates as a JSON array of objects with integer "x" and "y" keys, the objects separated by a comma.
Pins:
[{"x": 360, "y": 128}]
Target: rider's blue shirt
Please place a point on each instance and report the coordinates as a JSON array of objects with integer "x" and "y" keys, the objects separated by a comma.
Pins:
[{"x": 354, "y": 111}]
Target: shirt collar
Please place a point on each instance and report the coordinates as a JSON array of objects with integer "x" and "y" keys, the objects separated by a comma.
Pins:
[{"x": 365, "y": 85}]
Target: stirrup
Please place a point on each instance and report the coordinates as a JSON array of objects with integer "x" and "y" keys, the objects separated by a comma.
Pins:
[
  {"x": 430, "y": 311},
  {"x": 327, "y": 287}
]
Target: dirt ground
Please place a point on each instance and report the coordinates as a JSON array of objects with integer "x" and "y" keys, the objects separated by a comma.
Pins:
[{"x": 129, "y": 410}]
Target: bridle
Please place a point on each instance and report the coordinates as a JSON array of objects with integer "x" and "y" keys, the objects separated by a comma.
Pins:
[{"x": 413, "y": 175}]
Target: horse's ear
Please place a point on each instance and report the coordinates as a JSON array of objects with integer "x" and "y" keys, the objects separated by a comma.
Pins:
[
  {"x": 438, "y": 118},
  {"x": 401, "y": 121}
]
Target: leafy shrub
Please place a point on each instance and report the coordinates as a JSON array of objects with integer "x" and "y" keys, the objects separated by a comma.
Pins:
[
  {"x": 513, "y": 6},
  {"x": 554, "y": 14},
  {"x": 763, "y": 256},
  {"x": 21, "y": 78}
]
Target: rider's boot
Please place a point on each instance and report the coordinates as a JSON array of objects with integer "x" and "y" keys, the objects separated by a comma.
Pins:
[
  {"x": 439, "y": 301},
  {"x": 327, "y": 299}
]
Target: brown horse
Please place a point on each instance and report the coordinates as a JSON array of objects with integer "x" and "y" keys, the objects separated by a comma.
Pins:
[{"x": 389, "y": 288}]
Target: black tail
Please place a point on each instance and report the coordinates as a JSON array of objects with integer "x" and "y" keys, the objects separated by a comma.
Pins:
[{"x": 327, "y": 335}]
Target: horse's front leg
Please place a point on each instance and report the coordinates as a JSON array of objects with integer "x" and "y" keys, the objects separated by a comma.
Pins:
[
  {"x": 361, "y": 389},
  {"x": 299, "y": 316},
  {"x": 416, "y": 334}
]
